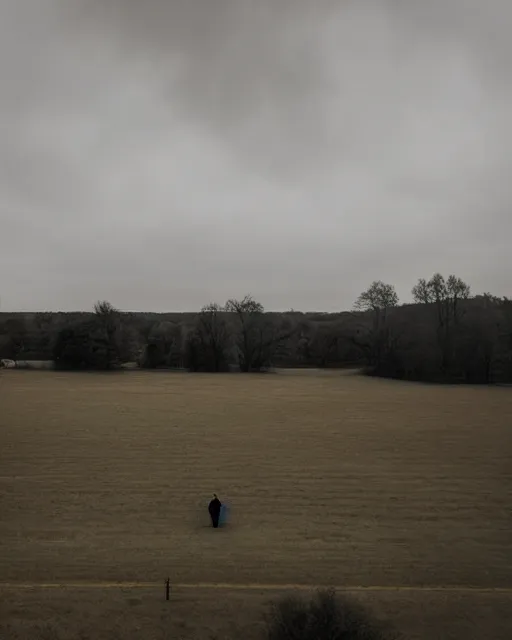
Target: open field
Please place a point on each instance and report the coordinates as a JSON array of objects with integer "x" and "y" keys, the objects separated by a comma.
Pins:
[{"x": 333, "y": 479}]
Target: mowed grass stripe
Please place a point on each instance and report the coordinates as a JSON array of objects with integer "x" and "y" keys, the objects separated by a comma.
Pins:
[{"x": 254, "y": 587}]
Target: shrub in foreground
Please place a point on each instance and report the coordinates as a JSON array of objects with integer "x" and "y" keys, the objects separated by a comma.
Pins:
[{"x": 324, "y": 616}]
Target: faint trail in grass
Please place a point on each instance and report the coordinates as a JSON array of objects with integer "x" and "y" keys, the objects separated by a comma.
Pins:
[{"x": 251, "y": 586}]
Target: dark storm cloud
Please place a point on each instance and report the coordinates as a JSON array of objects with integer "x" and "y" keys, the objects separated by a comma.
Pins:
[{"x": 164, "y": 153}]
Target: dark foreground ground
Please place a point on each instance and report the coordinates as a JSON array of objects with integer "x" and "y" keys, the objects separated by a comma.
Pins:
[{"x": 208, "y": 614}]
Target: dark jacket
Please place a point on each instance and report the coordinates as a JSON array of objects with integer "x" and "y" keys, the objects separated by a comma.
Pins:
[{"x": 214, "y": 507}]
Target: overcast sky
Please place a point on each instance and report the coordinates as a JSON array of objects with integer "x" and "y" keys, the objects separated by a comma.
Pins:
[{"x": 162, "y": 154}]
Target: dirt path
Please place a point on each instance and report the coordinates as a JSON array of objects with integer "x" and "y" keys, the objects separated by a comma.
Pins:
[{"x": 250, "y": 587}]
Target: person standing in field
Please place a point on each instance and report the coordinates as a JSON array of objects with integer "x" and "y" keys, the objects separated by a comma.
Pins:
[{"x": 214, "y": 509}]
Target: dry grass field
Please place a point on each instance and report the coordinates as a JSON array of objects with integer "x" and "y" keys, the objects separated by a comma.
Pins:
[{"x": 333, "y": 478}]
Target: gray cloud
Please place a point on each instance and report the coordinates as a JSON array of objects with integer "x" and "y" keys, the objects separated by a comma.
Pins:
[{"x": 162, "y": 154}]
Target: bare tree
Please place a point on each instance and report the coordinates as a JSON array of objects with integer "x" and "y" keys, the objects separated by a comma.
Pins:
[
  {"x": 247, "y": 305},
  {"x": 378, "y": 297},
  {"x": 456, "y": 290},
  {"x": 259, "y": 334},
  {"x": 104, "y": 308},
  {"x": 446, "y": 295},
  {"x": 376, "y": 341},
  {"x": 108, "y": 319},
  {"x": 422, "y": 293},
  {"x": 213, "y": 336},
  {"x": 249, "y": 316}
]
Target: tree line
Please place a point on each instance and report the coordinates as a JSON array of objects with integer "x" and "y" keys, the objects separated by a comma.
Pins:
[{"x": 446, "y": 335}]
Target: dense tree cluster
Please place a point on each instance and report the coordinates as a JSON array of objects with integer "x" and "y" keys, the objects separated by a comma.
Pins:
[{"x": 447, "y": 335}]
